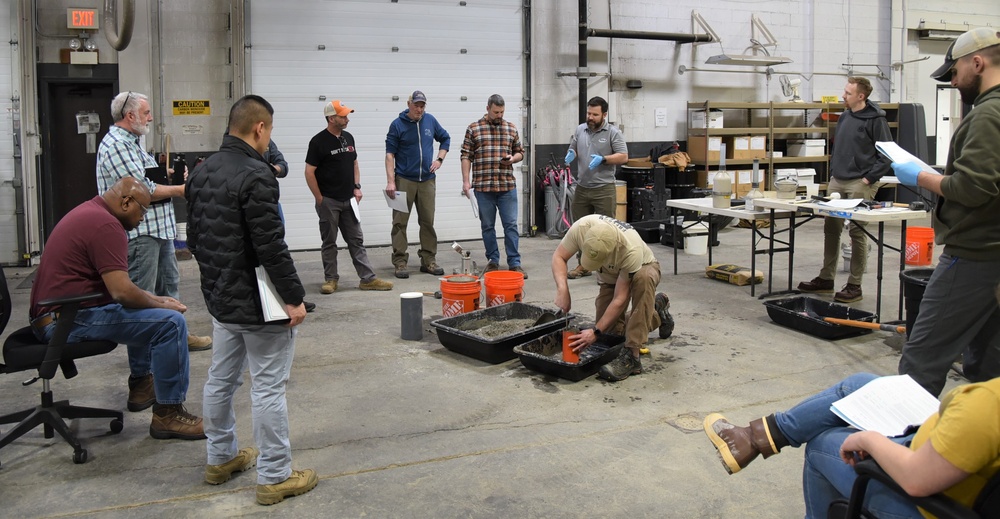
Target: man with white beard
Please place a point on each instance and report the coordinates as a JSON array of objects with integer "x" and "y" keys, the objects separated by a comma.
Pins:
[{"x": 152, "y": 265}]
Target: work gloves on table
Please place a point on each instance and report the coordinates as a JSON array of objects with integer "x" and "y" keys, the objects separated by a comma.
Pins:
[
  {"x": 906, "y": 172},
  {"x": 570, "y": 156}
]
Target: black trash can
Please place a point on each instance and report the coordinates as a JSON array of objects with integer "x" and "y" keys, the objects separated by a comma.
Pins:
[{"x": 914, "y": 282}]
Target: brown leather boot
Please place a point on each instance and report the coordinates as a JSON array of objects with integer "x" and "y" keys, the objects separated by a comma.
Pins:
[
  {"x": 173, "y": 421},
  {"x": 738, "y": 446},
  {"x": 140, "y": 393}
]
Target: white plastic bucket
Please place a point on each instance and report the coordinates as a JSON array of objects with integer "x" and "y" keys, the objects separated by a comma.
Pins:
[{"x": 696, "y": 240}]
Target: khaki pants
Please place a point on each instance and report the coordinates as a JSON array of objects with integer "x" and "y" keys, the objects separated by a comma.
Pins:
[
  {"x": 643, "y": 318},
  {"x": 422, "y": 195},
  {"x": 832, "y": 228},
  {"x": 593, "y": 200}
]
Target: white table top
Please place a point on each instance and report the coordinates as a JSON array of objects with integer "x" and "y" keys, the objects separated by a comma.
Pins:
[
  {"x": 859, "y": 214},
  {"x": 704, "y": 205}
]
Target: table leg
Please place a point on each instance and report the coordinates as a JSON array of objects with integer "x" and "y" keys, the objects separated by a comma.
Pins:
[
  {"x": 673, "y": 236},
  {"x": 770, "y": 253},
  {"x": 753, "y": 256},
  {"x": 902, "y": 264},
  {"x": 878, "y": 289},
  {"x": 791, "y": 248}
]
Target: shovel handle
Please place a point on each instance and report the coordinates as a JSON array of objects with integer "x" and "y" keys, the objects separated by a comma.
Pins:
[{"x": 864, "y": 324}]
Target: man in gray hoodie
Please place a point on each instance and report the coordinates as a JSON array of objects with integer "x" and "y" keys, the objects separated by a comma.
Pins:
[{"x": 855, "y": 167}]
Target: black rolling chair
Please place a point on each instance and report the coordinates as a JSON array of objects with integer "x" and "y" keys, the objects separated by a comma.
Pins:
[
  {"x": 986, "y": 506},
  {"x": 22, "y": 352}
]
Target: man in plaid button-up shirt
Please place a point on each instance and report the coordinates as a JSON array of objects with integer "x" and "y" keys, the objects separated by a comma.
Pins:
[
  {"x": 151, "y": 261},
  {"x": 490, "y": 149}
]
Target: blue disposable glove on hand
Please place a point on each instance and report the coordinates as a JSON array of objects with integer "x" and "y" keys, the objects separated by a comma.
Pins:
[
  {"x": 906, "y": 172},
  {"x": 570, "y": 156},
  {"x": 595, "y": 160}
]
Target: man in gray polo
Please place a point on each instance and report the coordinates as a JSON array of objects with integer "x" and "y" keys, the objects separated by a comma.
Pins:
[{"x": 600, "y": 147}]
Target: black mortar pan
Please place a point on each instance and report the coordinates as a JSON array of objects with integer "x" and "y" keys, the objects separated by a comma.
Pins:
[
  {"x": 806, "y": 314},
  {"x": 451, "y": 331},
  {"x": 544, "y": 355}
]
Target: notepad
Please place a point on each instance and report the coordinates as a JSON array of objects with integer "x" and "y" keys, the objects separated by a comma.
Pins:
[
  {"x": 887, "y": 405},
  {"x": 896, "y": 154},
  {"x": 270, "y": 302},
  {"x": 398, "y": 203}
]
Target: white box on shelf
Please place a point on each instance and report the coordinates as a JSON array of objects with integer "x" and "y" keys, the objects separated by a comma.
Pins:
[
  {"x": 805, "y": 176},
  {"x": 806, "y": 147},
  {"x": 697, "y": 119}
]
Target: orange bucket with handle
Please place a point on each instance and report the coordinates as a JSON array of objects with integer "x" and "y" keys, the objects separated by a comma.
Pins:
[
  {"x": 919, "y": 246},
  {"x": 503, "y": 286},
  {"x": 459, "y": 294}
]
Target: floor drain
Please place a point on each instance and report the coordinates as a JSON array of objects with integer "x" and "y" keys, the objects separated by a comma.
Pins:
[{"x": 687, "y": 423}]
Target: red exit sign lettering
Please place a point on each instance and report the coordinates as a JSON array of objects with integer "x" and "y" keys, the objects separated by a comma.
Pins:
[{"x": 81, "y": 18}]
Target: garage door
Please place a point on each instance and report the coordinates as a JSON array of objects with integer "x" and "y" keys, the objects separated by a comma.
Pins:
[
  {"x": 371, "y": 55},
  {"x": 8, "y": 220}
]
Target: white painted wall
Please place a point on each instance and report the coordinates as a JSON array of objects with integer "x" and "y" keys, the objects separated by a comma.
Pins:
[{"x": 8, "y": 220}]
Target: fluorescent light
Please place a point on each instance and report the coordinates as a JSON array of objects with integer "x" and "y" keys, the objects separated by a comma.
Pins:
[{"x": 747, "y": 60}]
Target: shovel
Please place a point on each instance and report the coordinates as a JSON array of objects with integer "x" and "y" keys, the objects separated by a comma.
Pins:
[
  {"x": 864, "y": 324},
  {"x": 548, "y": 317}
]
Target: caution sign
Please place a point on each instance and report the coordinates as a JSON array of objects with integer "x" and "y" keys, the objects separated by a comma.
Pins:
[{"x": 192, "y": 107}]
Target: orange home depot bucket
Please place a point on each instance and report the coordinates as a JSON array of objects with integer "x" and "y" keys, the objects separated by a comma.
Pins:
[
  {"x": 919, "y": 246},
  {"x": 459, "y": 294},
  {"x": 503, "y": 286}
]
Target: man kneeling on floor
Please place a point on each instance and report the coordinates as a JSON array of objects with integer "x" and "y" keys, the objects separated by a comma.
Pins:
[
  {"x": 627, "y": 272},
  {"x": 87, "y": 253}
]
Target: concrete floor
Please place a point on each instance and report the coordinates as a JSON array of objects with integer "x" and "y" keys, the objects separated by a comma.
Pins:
[{"x": 409, "y": 429}]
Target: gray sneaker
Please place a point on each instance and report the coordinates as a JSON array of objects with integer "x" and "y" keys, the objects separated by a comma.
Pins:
[{"x": 622, "y": 367}]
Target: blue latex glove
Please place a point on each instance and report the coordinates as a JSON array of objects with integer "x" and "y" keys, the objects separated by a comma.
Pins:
[
  {"x": 570, "y": 156},
  {"x": 906, "y": 172},
  {"x": 595, "y": 160}
]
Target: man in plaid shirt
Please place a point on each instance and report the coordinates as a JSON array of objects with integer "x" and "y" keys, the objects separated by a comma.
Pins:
[
  {"x": 151, "y": 261},
  {"x": 490, "y": 149}
]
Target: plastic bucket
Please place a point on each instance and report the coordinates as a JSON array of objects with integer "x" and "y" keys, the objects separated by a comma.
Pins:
[
  {"x": 696, "y": 240},
  {"x": 503, "y": 286},
  {"x": 914, "y": 282},
  {"x": 180, "y": 241},
  {"x": 459, "y": 294},
  {"x": 919, "y": 246}
]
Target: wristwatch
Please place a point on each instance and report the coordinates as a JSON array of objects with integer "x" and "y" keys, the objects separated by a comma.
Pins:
[
  {"x": 357, "y": 186},
  {"x": 597, "y": 331},
  {"x": 439, "y": 159}
]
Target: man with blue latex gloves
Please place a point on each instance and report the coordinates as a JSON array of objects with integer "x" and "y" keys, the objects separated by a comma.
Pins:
[
  {"x": 605, "y": 147},
  {"x": 959, "y": 313}
]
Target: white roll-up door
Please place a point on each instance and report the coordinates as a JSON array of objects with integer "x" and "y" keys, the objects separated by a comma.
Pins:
[
  {"x": 371, "y": 55},
  {"x": 8, "y": 210}
]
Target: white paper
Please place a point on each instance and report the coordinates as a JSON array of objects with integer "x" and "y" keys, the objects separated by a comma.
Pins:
[
  {"x": 398, "y": 203},
  {"x": 270, "y": 302},
  {"x": 899, "y": 155},
  {"x": 844, "y": 203},
  {"x": 357, "y": 209},
  {"x": 475, "y": 203},
  {"x": 887, "y": 405}
]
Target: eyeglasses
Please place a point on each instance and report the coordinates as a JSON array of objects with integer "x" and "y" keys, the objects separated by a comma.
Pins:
[
  {"x": 144, "y": 208},
  {"x": 127, "y": 98}
]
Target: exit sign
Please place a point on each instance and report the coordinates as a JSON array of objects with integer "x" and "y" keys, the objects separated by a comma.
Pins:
[{"x": 81, "y": 18}]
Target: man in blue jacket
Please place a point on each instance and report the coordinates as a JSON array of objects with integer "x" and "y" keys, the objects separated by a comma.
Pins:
[
  {"x": 410, "y": 167},
  {"x": 855, "y": 167}
]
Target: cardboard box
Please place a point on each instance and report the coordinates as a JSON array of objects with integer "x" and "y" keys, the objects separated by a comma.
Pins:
[
  {"x": 806, "y": 176},
  {"x": 806, "y": 147},
  {"x": 696, "y": 119},
  {"x": 697, "y": 149},
  {"x": 734, "y": 274},
  {"x": 741, "y": 147},
  {"x": 641, "y": 162}
]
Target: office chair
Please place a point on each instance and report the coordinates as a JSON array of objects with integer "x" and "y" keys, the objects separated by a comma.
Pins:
[
  {"x": 986, "y": 506},
  {"x": 22, "y": 351}
]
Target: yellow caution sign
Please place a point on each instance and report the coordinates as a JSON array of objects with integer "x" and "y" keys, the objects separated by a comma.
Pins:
[
  {"x": 192, "y": 107},
  {"x": 831, "y": 99}
]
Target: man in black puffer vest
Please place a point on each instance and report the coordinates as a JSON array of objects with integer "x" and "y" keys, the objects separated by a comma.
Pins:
[{"x": 234, "y": 227}]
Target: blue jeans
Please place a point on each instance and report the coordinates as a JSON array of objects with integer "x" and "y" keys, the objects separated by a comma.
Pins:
[
  {"x": 156, "y": 339},
  {"x": 506, "y": 203},
  {"x": 268, "y": 351},
  {"x": 152, "y": 266},
  {"x": 825, "y": 477}
]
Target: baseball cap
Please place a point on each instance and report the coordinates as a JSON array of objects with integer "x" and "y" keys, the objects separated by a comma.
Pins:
[
  {"x": 598, "y": 244},
  {"x": 418, "y": 97},
  {"x": 336, "y": 108},
  {"x": 967, "y": 43}
]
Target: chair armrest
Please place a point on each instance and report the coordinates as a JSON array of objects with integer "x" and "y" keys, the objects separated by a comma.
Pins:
[
  {"x": 61, "y": 301},
  {"x": 939, "y": 504}
]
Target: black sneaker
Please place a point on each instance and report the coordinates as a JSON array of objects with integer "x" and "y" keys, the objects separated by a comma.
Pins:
[
  {"x": 310, "y": 307},
  {"x": 666, "y": 320},
  {"x": 621, "y": 368}
]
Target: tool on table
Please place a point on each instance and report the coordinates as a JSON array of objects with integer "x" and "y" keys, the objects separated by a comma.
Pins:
[
  {"x": 435, "y": 295},
  {"x": 865, "y": 324}
]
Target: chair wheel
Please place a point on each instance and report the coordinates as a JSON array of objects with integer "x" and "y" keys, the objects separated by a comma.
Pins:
[
  {"x": 117, "y": 426},
  {"x": 80, "y": 456}
]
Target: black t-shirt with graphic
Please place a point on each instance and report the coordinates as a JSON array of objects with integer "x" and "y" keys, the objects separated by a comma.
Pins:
[{"x": 334, "y": 160}]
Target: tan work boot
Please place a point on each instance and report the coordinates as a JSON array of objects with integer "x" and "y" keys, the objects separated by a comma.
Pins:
[
  {"x": 140, "y": 393},
  {"x": 173, "y": 421},
  {"x": 329, "y": 287},
  {"x": 199, "y": 342},
  {"x": 738, "y": 446},
  {"x": 244, "y": 461},
  {"x": 300, "y": 482},
  {"x": 375, "y": 284},
  {"x": 578, "y": 272}
]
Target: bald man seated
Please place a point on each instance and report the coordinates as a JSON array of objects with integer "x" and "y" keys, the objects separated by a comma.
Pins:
[{"x": 87, "y": 253}]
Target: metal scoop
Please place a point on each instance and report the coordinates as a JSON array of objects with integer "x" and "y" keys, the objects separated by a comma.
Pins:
[{"x": 548, "y": 317}]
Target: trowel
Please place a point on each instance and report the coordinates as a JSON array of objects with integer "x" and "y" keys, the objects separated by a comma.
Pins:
[{"x": 548, "y": 317}]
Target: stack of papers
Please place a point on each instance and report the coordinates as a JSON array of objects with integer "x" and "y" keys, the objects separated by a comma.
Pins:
[
  {"x": 887, "y": 405},
  {"x": 271, "y": 303},
  {"x": 896, "y": 154}
]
